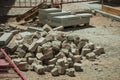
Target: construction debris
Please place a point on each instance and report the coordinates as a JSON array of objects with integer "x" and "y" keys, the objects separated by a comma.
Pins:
[{"x": 51, "y": 51}]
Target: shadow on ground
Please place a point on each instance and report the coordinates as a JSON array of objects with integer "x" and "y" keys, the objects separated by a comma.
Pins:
[
  {"x": 4, "y": 9},
  {"x": 74, "y": 28}
]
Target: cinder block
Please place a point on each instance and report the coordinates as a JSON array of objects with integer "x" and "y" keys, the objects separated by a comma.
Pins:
[
  {"x": 5, "y": 38},
  {"x": 44, "y": 12}
]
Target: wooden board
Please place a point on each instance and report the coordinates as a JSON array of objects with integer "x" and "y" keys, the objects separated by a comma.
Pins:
[{"x": 112, "y": 10}]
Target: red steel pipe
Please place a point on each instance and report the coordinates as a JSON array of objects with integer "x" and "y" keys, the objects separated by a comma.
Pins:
[{"x": 13, "y": 64}]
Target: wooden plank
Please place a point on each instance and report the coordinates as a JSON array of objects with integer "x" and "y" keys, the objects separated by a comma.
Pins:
[{"x": 112, "y": 10}]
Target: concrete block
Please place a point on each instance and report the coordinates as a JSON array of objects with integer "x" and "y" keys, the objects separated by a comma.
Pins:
[
  {"x": 49, "y": 38},
  {"x": 54, "y": 72},
  {"x": 40, "y": 56},
  {"x": 77, "y": 58},
  {"x": 77, "y": 67},
  {"x": 56, "y": 45},
  {"x": 61, "y": 62},
  {"x": 29, "y": 55},
  {"x": 33, "y": 47},
  {"x": 81, "y": 44},
  {"x": 44, "y": 12},
  {"x": 91, "y": 56},
  {"x": 75, "y": 51},
  {"x": 60, "y": 55},
  {"x": 65, "y": 51},
  {"x": 70, "y": 72},
  {"x": 99, "y": 50},
  {"x": 20, "y": 52},
  {"x": 50, "y": 67},
  {"x": 47, "y": 28},
  {"x": 48, "y": 53},
  {"x": 52, "y": 61},
  {"x": 38, "y": 62},
  {"x": 5, "y": 38},
  {"x": 30, "y": 60},
  {"x": 66, "y": 45},
  {"x": 61, "y": 70},
  {"x": 39, "y": 69},
  {"x": 12, "y": 46},
  {"x": 70, "y": 62},
  {"x": 39, "y": 49},
  {"x": 35, "y": 44},
  {"x": 85, "y": 51},
  {"x": 23, "y": 66},
  {"x": 90, "y": 45},
  {"x": 17, "y": 61}
]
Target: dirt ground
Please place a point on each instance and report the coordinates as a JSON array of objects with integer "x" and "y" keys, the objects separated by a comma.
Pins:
[{"x": 104, "y": 32}]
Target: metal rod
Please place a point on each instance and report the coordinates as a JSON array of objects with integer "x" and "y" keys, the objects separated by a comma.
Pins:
[{"x": 14, "y": 65}]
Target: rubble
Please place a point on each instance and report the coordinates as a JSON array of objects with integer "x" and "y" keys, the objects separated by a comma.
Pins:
[{"x": 48, "y": 50}]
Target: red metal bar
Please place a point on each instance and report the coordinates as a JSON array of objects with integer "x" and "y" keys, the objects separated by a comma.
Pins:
[{"x": 14, "y": 65}]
